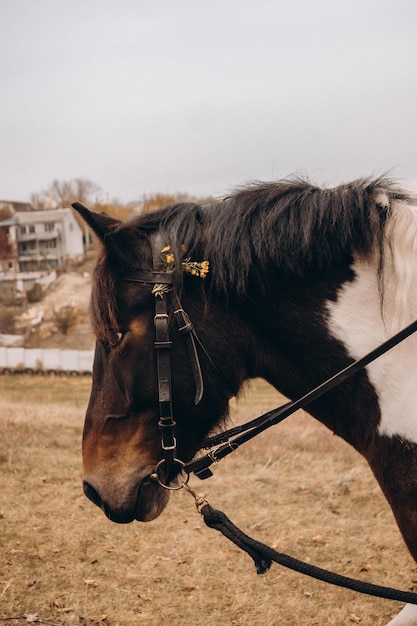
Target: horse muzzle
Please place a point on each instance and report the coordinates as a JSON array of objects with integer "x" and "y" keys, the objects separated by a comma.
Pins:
[{"x": 144, "y": 501}]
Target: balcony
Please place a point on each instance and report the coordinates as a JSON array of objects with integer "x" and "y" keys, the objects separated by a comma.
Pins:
[
  {"x": 23, "y": 237},
  {"x": 48, "y": 236}
]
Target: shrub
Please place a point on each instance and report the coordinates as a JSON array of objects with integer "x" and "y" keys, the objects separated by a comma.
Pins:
[
  {"x": 35, "y": 293},
  {"x": 65, "y": 318},
  {"x": 7, "y": 321}
]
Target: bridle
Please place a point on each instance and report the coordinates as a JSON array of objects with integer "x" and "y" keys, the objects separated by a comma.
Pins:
[
  {"x": 163, "y": 345},
  {"x": 232, "y": 438}
]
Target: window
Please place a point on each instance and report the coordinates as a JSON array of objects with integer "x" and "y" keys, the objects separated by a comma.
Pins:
[
  {"x": 49, "y": 227},
  {"x": 31, "y": 228},
  {"x": 23, "y": 230},
  {"x": 29, "y": 245}
]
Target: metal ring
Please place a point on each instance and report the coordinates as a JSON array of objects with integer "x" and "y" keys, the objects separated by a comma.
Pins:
[{"x": 162, "y": 484}]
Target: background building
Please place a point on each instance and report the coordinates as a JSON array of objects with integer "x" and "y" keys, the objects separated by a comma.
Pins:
[
  {"x": 34, "y": 246},
  {"x": 33, "y": 241}
]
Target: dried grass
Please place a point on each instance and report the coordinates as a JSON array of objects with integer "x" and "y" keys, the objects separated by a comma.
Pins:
[{"x": 297, "y": 488}]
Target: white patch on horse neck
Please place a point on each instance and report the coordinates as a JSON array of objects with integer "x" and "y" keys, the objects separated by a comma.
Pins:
[{"x": 355, "y": 319}]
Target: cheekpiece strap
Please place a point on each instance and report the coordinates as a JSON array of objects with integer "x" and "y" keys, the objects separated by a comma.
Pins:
[{"x": 163, "y": 345}]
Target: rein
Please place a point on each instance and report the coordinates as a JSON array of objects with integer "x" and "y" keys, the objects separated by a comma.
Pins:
[
  {"x": 247, "y": 431},
  {"x": 231, "y": 439}
]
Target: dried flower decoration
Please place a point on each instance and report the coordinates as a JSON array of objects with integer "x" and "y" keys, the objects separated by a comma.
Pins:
[
  {"x": 196, "y": 268},
  {"x": 199, "y": 269}
]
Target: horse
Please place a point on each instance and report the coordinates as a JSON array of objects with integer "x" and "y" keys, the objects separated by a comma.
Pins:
[{"x": 283, "y": 280}]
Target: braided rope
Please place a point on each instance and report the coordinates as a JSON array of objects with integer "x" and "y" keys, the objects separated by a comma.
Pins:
[{"x": 264, "y": 555}]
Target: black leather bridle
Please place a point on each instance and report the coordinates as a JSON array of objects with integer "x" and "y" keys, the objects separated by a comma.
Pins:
[{"x": 163, "y": 345}]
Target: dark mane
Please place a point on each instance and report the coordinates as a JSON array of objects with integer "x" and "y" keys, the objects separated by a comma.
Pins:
[{"x": 290, "y": 225}]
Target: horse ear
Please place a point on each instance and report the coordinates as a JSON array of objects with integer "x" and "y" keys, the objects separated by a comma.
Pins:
[{"x": 100, "y": 223}]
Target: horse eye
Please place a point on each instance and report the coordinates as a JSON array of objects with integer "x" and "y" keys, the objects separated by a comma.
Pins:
[{"x": 117, "y": 339}]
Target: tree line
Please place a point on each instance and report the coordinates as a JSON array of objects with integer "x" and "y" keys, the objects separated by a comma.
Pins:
[{"x": 62, "y": 193}]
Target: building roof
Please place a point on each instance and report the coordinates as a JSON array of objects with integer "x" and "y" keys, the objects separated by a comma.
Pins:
[
  {"x": 10, "y": 221},
  {"x": 16, "y": 206},
  {"x": 33, "y": 216}
]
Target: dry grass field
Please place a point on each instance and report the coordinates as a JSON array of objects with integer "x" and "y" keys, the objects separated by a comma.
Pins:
[{"x": 297, "y": 488}]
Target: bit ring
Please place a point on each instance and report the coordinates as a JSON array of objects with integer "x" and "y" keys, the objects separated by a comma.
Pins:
[{"x": 156, "y": 476}]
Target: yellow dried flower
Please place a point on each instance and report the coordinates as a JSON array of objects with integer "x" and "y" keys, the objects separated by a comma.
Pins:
[{"x": 195, "y": 268}]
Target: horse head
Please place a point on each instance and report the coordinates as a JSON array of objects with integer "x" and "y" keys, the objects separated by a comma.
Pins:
[{"x": 121, "y": 438}]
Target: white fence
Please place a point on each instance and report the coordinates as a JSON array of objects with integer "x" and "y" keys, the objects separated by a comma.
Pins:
[{"x": 38, "y": 360}]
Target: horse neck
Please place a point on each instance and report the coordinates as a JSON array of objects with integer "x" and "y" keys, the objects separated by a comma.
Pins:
[
  {"x": 313, "y": 330},
  {"x": 360, "y": 321},
  {"x": 372, "y": 308}
]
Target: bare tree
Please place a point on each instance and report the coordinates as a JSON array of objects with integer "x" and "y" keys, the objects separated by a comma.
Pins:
[{"x": 61, "y": 193}]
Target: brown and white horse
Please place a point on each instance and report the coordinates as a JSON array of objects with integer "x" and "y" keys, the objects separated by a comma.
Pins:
[{"x": 300, "y": 282}]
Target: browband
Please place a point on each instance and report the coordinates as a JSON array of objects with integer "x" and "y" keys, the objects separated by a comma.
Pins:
[{"x": 143, "y": 276}]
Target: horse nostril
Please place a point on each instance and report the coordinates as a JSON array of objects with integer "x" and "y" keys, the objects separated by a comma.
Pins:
[{"x": 92, "y": 494}]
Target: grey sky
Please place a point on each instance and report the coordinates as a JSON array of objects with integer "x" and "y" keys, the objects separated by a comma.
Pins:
[{"x": 200, "y": 96}]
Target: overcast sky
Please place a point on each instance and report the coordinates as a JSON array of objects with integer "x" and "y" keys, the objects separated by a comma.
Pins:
[{"x": 199, "y": 96}]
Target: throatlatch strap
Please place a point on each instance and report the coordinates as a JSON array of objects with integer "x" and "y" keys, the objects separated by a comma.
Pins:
[{"x": 185, "y": 326}]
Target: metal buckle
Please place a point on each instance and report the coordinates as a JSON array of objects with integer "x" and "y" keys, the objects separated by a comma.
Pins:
[
  {"x": 187, "y": 323},
  {"x": 174, "y": 445}
]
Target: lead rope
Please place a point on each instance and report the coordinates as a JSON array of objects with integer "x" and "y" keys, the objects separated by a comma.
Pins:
[{"x": 264, "y": 555}]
